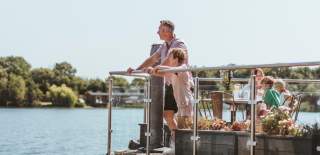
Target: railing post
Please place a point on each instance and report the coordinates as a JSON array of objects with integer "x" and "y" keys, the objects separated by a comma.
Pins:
[
  {"x": 148, "y": 102},
  {"x": 252, "y": 142},
  {"x": 195, "y": 136},
  {"x": 109, "y": 106},
  {"x": 145, "y": 88}
]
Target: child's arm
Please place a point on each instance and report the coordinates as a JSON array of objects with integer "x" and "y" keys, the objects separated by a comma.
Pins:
[{"x": 156, "y": 69}]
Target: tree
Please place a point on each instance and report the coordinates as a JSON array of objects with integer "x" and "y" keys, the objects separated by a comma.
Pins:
[
  {"x": 15, "y": 65},
  {"x": 43, "y": 77},
  {"x": 96, "y": 85},
  {"x": 137, "y": 82},
  {"x": 62, "y": 96},
  {"x": 120, "y": 81},
  {"x": 79, "y": 85},
  {"x": 34, "y": 94},
  {"x": 64, "y": 73},
  {"x": 16, "y": 90},
  {"x": 3, "y": 91},
  {"x": 64, "y": 69}
]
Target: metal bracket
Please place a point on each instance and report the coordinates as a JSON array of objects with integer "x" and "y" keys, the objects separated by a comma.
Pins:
[
  {"x": 194, "y": 138},
  {"x": 251, "y": 143},
  {"x": 318, "y": 148},
  {"x": 112, "y": 99},
  {"x": 147, "y": 100},
  {"x": 148, "y": 134},
  {"x": 195, "y": 101}
]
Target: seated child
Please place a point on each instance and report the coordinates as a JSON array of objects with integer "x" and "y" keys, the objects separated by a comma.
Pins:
[
  {"x": 271, "y": 97},
  {"x": 285, "y": 96}
]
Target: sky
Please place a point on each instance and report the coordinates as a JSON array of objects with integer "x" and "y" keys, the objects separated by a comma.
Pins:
[{"x": 98, "y": 36}]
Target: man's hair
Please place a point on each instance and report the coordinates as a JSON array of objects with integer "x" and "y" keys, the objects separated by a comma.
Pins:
[
  {"x": 168, "y": 23},
  {"x": 178, "y": 53}
]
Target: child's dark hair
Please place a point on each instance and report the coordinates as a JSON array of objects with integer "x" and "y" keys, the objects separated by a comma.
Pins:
[
  {"x": 178, "y": 53},
  {"x": 267, "y": 80}
]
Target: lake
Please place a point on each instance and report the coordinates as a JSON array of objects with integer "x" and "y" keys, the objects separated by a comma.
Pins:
[{"x": 55, "y": 131}]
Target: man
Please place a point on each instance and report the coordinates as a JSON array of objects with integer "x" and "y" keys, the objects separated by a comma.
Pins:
[{"x": 166, "y": 33}]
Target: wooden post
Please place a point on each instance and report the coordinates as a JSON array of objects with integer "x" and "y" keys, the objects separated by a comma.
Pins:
[{"x": 217, "y": 103}]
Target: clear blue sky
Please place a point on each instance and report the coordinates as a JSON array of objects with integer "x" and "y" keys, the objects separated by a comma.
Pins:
[{"x": 97, "y": 36}]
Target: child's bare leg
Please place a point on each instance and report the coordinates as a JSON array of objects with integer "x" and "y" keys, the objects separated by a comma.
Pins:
[{"x": 169, "y": 117}]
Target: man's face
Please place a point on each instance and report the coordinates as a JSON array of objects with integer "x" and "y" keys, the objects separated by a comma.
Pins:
[{"x": 163, "y": 32}]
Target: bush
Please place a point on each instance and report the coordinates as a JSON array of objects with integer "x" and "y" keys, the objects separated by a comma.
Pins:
[{"x": 62, "y": 96}]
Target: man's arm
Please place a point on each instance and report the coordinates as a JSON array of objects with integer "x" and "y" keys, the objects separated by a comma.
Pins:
[{"x": 154, "y": 58}]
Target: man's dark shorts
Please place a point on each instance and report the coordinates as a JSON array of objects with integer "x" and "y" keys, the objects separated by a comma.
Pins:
[{"x": 169, "y": 101}]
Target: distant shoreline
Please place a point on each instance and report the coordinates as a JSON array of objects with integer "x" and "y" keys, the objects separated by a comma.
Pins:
[{"x": 135, "y": 106}]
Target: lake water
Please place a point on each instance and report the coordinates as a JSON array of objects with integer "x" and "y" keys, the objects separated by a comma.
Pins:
[{"x": 73, "y": 131}]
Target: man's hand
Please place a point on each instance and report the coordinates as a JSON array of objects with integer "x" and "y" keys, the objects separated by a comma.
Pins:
[
  {"x": 130, "y": 70},
  {"x": 156, "y": 70},
  {"x": 148, "y": 70}
]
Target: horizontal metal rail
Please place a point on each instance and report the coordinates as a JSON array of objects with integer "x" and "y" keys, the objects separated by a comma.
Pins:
[
  {"x": 315, "y": 63},
  {"x": 295, "y": 64},
  {"x": 247, "y": 79}
]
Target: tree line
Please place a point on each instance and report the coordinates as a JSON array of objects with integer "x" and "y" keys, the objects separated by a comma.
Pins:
[{"x": 22, "y": 85}]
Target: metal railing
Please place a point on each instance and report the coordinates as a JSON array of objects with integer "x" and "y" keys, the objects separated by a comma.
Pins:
[{"x": 195, "y": 137}]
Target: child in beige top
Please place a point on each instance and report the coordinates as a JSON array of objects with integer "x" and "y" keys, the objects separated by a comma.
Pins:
[{"x": 182, "y": 83}]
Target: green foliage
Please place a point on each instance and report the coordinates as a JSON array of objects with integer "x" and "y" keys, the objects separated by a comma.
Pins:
[
  {"x": 44, "y": 77},
  {"x": 64, "y": 69},
  {"x": 15, "y": 65},
  {"x": 80, "y": 105},
  {"x": 79, "y": 85},
  {"x": 96, "y": 85},
  {"x": 138, "y": 82},
  {"x": 16, "y": 90},
  {"x": 64, "y": 73},
  {"x": 241, "y": 73},
  {"x": 34, "y": 94},
  {"x": 3, "y": 91},
  {"x": 120, "y": 81},
  {"x": 62, "y": 96}
]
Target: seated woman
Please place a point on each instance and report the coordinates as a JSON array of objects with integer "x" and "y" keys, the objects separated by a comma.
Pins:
[
  {"x": 245, "y": 91},
  {"x": 271, "y": 97}
]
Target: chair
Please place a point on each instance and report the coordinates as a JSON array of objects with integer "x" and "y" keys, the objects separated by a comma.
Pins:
[
  {"x": 220, "y": 97},
  {"x": 294, "y": 103}
]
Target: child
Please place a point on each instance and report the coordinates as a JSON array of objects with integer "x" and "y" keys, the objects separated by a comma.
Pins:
[
  {"x": 280, "y": 87},
  {"x": 181, "y": 83},
  {"x": 271, "y": 97}
]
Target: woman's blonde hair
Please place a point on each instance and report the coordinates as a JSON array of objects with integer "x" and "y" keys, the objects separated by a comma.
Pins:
[{"x": 279, "y": 83}]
